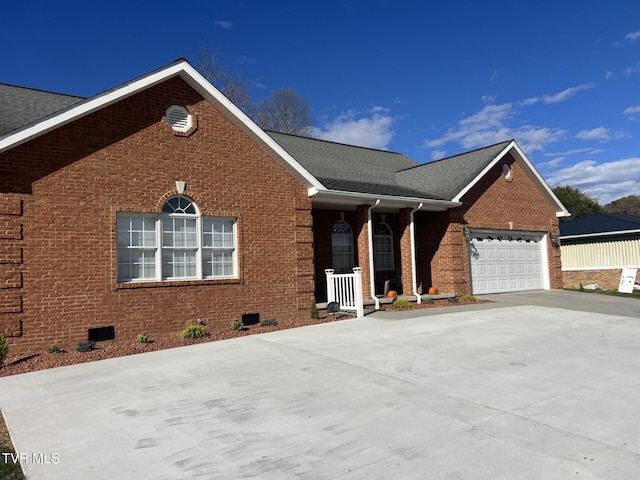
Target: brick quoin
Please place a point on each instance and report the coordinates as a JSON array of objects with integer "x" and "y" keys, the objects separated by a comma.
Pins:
[{"x": 68, "y": 185}]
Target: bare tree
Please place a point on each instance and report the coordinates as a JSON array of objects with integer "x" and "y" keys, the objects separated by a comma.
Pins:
[
  {"x": 232, "y": 83},
  {"x": 285, "y": 112}
]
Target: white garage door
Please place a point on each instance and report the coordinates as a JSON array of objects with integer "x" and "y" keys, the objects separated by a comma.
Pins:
[{"x": 505, "y": 261}]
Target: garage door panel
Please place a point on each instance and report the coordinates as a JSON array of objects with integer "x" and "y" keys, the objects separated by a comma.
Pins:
[{"x": 502, "y": 262}]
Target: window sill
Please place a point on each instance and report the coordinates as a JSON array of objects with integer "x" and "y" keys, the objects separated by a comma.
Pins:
[{"x": 176, "y": 283}]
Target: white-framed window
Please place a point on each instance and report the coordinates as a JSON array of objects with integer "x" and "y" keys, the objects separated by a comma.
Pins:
[
  {"x": 383, "y": 247},
  {"x": 342, "y": 246},
  {"x": 177, "y": 244}
]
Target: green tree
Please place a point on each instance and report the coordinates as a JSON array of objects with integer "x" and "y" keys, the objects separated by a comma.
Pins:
[{"x": 577, "y": 202}]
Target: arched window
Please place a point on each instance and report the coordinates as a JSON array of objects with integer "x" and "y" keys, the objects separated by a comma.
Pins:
[
  {"x": 179, "y": 238},
  {"x": 342, "y": 247},
  {"x": 177, "y": 244},
  {"x": 383, "y": 247}
]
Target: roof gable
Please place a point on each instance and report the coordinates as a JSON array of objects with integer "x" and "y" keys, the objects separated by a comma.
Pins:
[
  {"x": 600, "y": 223},
  {"x": 447, "y": 177},
  {"x": 192, "y": 77}
]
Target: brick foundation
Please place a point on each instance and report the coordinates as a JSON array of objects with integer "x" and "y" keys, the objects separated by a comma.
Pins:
[{"x": 605, "y": 279}]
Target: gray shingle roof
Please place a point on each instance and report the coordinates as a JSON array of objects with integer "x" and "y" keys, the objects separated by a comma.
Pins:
[
  {"x": 347, "y": 167},
  {"x": 447, "y": 177},
  {"x": 20, "y": 106},
  {"x": 337, "y": 166},
  {"x": 364, "y": 170}
]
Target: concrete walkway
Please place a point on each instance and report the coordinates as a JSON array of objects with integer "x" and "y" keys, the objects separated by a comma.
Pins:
[{"x": 502, "y": 391}]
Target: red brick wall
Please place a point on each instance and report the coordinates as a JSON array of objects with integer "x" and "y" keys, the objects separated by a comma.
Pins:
[
  {"x": 605, "y": 279},
  {"x": 71, "y": 183},
  {"x": 492, "y": 203}
]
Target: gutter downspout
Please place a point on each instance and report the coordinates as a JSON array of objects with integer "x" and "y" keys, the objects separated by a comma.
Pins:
[
  {"x": 372, "y": 273},
  {"x": 414, "y": 272}
]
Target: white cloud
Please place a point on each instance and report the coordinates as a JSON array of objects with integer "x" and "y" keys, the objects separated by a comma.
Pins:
[
  {"x": 631, "y": 70},
  {"x": 575, "y": 151},
  {"x": 632, "y": 36},
  {"x": 631, "y": 111},
  {"x": 529, "y": 101},
  {"x": 488, "y": 99},
  {"x": 566, "y": 94},
  {"x": 490, "y": 125},
  {"x": 601, "y": 181},
  {"x": 553, "y": 163},
  {"x": 372, "y": 130},
  {"x": 599, "y": 133},
  {"x": 494, "y": 76},
  {"x": 609, "y": 75},
  {"x": 438, "y": 154},
  {"x": 224, "y": 24}
]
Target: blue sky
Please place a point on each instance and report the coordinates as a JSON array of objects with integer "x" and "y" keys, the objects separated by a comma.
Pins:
[{"x": 428, "y": 79}]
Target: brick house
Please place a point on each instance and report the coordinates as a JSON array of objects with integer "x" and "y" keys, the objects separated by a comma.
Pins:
[{"x": 159, "y": 201}]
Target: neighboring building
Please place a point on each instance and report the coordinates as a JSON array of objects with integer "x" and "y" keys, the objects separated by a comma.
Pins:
[
  {"x": 159, "y": 201},
  {"x": 595, "y": 249}
]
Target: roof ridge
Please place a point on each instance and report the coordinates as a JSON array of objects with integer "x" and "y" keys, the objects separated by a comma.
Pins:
[
  {"x": 41, "y": 90},
  {"x": 457, "y": 155},
  {"x": 335, "y": 143}
]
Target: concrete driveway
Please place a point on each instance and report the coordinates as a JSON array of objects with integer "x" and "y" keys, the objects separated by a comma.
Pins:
[{"x": 499, "y": 391}]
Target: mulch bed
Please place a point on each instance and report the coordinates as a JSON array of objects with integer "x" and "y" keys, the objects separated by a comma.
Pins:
[{"x": 17, "y": 364}]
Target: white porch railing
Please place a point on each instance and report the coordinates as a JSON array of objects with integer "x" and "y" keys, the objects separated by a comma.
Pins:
[{"x": 346, "y": 289}]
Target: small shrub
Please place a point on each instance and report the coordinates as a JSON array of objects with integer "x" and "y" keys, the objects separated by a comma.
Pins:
[
  {"x": 314, "y": 310},
  {"x": 55, "y": 350},
  {"x": 453, "y": 300},
  {"x": 193, "y": 331},
  {"x": 401, "y": 304},
  {"x": 237, "y": 325},
  {"x": 468, "y": 298},
  {"x": 4, "y": 349},
  {"x": 85, "y": 347},
  {"x": 142, "y": 338},
  {"x": 269, "y": 322},
  {"x": 427, "y": 300}
]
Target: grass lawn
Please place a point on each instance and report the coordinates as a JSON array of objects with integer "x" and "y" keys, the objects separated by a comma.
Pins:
[
  {"x": 615, "y": 293},
  {"x": 8, "y": 469}
]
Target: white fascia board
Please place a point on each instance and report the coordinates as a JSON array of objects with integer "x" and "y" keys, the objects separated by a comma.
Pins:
[
  {"x": 87, "y": 107},
  {"x": 193, "y": 78},
  {"x": 212, "y": 94},
  {"x": 600, "y": 234},
  {"x": 470, "y": 185},
  {"x": 357, "y": 198},
  {"x": 561, "y": 211}
]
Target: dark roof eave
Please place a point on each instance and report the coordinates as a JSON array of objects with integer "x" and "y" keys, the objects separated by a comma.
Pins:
[{"x": 599, "y": 234}]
